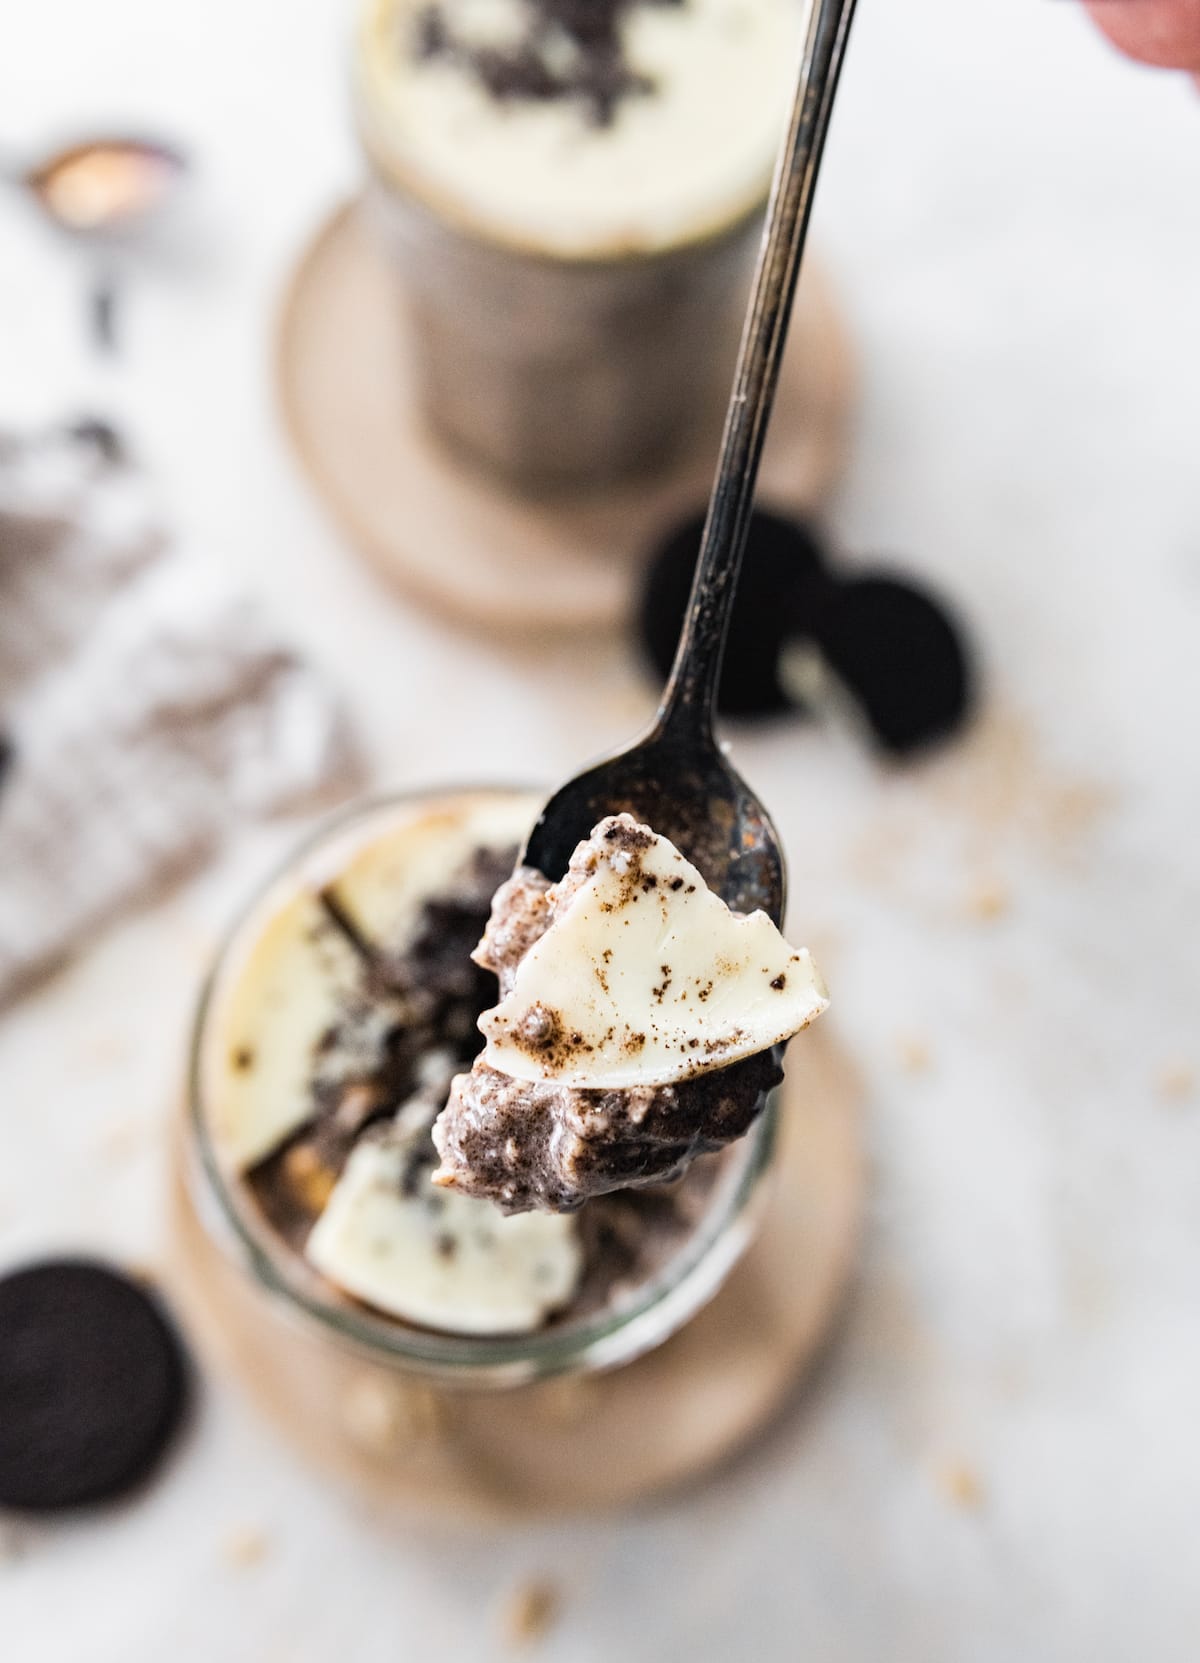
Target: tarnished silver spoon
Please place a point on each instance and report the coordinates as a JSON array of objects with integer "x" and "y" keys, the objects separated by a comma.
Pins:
[{"x": 676, "y": 778}]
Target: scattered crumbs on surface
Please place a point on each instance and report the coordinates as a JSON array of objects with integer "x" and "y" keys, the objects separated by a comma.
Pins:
[
  {"x": 309, "y": 1177},
  {"x": 961, "y": 1484},
  {"x": 913, "y": 1053},
  {"x": 244, "y": 1546},
  {"x": 1004, "y": 781},
  {"x": 1072, "y": 813},
  {"x": 104, "y": 1048},
  {"x": 195, "y": 942},
  {"x": 876, "y": 857},
  {"x": 1175, "y": 1081},
  {"x": 121, "y": 1137},
  {"x": 530, "y": 1612},
  {"x": 988, "y": 898},
  {"x": 1000, "y": 788}
]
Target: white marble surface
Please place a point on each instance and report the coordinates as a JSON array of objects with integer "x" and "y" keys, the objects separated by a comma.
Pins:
[{"x": 1012, "y": 215}]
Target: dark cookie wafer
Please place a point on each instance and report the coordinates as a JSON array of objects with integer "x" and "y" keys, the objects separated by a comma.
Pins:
[{"x": 93, "y": 1384}]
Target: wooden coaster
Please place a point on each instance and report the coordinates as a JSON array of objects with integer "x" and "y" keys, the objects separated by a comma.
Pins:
[
  {"x": 581, "y": 1442},
  {"x": 457, "y": 539}
]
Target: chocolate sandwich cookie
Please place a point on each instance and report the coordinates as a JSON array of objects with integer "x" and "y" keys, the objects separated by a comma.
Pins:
[
  {"x": 93, "y": 1384},
  {"x": 894, "y": 647},
  {"x": 903, "y": 658}
]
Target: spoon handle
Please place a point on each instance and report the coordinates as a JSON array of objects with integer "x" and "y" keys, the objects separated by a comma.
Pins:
[{"x": 690, "y": 697}]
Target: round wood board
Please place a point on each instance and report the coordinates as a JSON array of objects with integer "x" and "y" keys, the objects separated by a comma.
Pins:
[
  {"x": 581, "y": 1442},
  {"x": 457, "y": 539}
]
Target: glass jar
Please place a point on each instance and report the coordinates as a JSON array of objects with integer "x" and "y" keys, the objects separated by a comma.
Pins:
[
  {"x": 595, "y": 374},
  {"x": 540, "y": 1418},
  {"x": 566, "y": 361}
]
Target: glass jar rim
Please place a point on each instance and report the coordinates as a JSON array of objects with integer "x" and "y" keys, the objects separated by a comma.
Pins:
[{"x": 611, "y": 1336}]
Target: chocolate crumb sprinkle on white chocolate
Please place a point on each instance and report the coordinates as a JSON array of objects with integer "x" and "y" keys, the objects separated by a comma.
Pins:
[
  {"x": 608, "y": 995},
  {"x": 637, "y": 1027}
]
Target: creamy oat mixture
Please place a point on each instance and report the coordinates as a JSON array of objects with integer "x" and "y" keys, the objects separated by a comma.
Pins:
[{"x": 638, "y": 1027}]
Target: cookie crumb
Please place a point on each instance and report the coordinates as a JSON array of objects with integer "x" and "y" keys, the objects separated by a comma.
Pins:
[
  {"x": 122, "y": 1137},
  {"x": 244, "y": 1546},
  {"x": 1175, "y": 1081},
  {"x": 912, "y": 1053},
  {"x": 530, "y": 1612},
  {"x": 989, "y": 898},
  {"x": 960, "y": 1484},
  {"x": 104, "y": 1048}
]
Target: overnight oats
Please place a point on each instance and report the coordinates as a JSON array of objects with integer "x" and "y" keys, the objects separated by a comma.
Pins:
[
  {"x": 378, "y": 1287},
  {"x": 571, "y": 190}
]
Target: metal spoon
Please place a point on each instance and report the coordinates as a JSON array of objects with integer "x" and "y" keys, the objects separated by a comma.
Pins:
[
  {"x": 105, "y": 194},
  {"x": 676, "y": 778}
]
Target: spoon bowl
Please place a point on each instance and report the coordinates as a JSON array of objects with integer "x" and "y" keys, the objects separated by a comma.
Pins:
[{"x": 687, "y": 791}]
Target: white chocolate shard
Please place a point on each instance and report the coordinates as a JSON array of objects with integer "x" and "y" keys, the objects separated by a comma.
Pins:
[
  {"x": 437, "y": 1258},
  {"x": 645, "y": 977},
  {"x": 290, "y": 985}
]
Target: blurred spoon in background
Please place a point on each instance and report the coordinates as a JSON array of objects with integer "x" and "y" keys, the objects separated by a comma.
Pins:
[{"x": 110, "y": 194}]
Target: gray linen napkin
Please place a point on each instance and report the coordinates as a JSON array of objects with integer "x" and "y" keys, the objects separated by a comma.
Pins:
[{"x": 148, "y": 708}]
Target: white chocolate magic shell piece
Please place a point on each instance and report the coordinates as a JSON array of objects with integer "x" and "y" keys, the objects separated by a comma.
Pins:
[
  {"x": 434, "y": 1257},
  {"x": 645, "y": 977},
  {"x": 382, "y": 884},
  {"x": 287, "y": 990}
]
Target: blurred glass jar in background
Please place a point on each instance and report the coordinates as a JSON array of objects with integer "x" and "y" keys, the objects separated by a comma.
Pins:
[
  {"x": 571, "y": 197},
  {"x": 418, "y": 1412}
]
